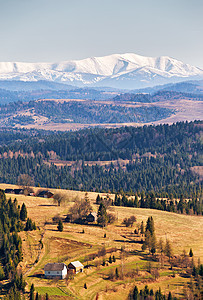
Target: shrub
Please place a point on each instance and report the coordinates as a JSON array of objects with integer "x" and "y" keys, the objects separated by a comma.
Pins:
[
  {"x": 128, "y": 222},
  {"x": 111, "y": 218}
]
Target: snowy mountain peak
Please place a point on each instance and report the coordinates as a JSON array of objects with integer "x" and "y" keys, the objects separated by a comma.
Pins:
[{"x": 127, "y": 70}]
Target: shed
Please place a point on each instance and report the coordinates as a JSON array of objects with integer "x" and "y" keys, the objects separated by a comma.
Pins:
[
  {"x": 76, "y": 266},
  {"x": 92, "y": 217},
  {"x": 45, "y": 194},
  {"x": 19, "y": 191},
  {"x": 9, "y": 191},
  {"x": 55, "y": 270}
]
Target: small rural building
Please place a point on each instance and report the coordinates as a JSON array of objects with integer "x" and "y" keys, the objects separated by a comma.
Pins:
[
  {"x": 31, "y": 193},
  {"x": 55, "y": 270},
  {"x": 18, "y": 191},
  {"x": 92, "y": 217},
  {"x": 45, "y": 194},
  {"x": 76, "y": 266},
  {"x": 9, "y": 191}
]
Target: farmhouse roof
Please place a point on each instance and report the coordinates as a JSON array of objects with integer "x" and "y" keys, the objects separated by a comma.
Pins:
[
  {"x": 42, "y": 193},
  {"x": 76, "y": 264},
  {"x": 94, "y": 214},
  {"x": 54, "y": 267},
  {"x": 18, "y": 191}
]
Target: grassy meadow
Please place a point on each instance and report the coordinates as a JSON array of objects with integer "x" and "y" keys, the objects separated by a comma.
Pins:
[{"x": 183, "y": 231}]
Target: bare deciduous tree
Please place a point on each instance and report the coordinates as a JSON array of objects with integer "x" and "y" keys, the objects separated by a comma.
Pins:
[
  {"x": 81, "y": 208},
  {"x": 60, "y": 198},
  {"x": 25, "y": 181}
]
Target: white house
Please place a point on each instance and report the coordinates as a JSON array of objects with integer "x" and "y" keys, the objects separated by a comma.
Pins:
[{"x": 53, "y": 270}]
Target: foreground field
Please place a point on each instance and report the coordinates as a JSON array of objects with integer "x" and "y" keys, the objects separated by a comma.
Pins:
[{"x": 78, "y": 242}]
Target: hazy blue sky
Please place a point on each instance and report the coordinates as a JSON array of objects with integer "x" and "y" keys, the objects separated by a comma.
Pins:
[{"x": 56, "y": 30}]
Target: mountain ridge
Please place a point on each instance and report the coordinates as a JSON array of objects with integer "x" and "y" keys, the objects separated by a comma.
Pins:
[{"x": 127, "y": 70}]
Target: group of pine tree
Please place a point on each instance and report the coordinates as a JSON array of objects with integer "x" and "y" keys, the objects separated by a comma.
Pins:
[{"x": 13, "y": 219}]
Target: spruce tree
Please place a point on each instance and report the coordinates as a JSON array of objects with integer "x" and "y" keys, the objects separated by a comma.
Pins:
[
  {"x": 135, "y": 294},
  {"x": 23, "y": 212},
  {"x": 153, "y": 244},
  {"x": 136, "y": 202},
  {"x": 169, "y": 296},
  {"x": 32, "y": 289},
  {"x": 102, "y": 215},
  {"x": 168, "y": 249},
  {"x": 201, "y": 270},
  {"x": 142, "y": 228},
  {"x": 150, "y": 225},
  {"x": 146, "y": 291},
  {"x": 191, "y": 253},
  {"x": 60, "y": 226},
  {"x": 98, "y": 199}
]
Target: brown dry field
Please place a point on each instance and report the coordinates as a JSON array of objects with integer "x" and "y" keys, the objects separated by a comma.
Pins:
[{"x": 183, "y": 231}]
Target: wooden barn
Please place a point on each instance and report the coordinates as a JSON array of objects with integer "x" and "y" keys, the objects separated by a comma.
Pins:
[
  {"x": 92, "y": 217},
  {"x": 75, "y": 267},
  {"x": 45, "y": 194},
  {"x": 19, "y": 191},
  {"x": 9, "y": 191}
]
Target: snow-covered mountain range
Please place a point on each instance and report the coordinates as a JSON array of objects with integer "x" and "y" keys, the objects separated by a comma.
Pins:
[{"x": 118, "y": 70}]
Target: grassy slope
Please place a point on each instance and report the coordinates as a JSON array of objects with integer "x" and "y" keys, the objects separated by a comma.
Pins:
[{"x": 185, "y": 232}]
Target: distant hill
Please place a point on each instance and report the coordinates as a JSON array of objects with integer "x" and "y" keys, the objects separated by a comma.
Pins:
[
  {"x": 67, "y": 109},
  {"x": 18, "y": 85},
  {"x": 193, "y": 87},
  {"x": 78, "y": 111},
  {"x": 160, "y": 95},
  {"x": 26, "y": 95}
]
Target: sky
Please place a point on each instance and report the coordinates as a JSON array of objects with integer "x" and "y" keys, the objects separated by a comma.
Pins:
[{"x": 59, "y": 30}]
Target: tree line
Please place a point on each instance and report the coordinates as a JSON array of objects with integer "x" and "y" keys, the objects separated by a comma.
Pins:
[{"x": 155, "y": 201}]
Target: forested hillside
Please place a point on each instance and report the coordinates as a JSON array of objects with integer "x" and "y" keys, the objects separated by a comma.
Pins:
[
  {"x": 161, "y": 158},
  {"x": 79, "y": 111},
  {"x": 160, "y": 95}
]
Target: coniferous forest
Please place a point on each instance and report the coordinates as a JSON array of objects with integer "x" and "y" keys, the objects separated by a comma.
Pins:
[
  {"x": 12, "y": 220},
  {"x": 165, "y": 159}
]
